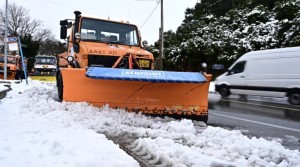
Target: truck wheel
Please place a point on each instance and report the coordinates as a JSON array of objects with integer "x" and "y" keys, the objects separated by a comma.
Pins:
[
  {"x": 60, "y": 87},
  {"x": 294, "y": 97},
  {"x": 57, "y": 75},
  {"x": 203, "y": 118},
  {"x": 224, "y": 91}
]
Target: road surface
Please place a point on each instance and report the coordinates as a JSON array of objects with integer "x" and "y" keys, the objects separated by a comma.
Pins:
[{"x": 257, "y": 117}]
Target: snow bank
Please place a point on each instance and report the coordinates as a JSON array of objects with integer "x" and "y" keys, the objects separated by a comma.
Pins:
[
  {"x": 40, "y": 131},
  {"x": 29, "y": 138}
]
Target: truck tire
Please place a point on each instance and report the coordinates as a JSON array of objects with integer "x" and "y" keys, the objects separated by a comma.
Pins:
[
  {"x": 294, "y": 97},
  {"x": 203, "y": 118},
  {"x": 224, "y": 91},
  {"x": 60, "y": 87}
]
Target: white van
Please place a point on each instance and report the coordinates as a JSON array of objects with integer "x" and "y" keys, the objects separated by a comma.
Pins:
[{"x": 274, "y": 73}]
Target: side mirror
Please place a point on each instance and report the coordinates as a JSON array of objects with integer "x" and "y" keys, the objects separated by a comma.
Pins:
[
  {"x": 229, "y": 72},
  {"x": 63, "y": 32}
]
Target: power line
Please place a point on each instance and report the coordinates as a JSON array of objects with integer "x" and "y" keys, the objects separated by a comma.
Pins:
[{"x": 149, "y": 16}]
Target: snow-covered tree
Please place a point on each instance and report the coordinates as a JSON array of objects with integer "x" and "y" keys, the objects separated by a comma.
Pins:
[{"x": 220, "y": 31}]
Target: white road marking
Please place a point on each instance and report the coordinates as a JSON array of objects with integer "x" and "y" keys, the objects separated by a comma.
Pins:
[
  {"x": 256, "y": 122},
  {"x": 263, "y": 105}
]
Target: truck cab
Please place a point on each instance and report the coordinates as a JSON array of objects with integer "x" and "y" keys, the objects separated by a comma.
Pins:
[
  {"x": 45, "y": 65},
  {"x": 104, "y": 43}
]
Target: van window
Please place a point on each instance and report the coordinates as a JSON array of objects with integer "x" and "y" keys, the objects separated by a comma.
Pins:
[{"x": 238, "y": 68}]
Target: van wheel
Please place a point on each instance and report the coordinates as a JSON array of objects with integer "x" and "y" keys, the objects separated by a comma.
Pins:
[
  {"x": 294, "y": 97},
  {"x": 224, "y": 91},
  {"x": 60, "y": 87}
]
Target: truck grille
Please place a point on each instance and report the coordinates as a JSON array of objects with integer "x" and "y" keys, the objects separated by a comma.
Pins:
[
  {"x": 101, "y": 61},
  {"x": 109, "y": 61}
]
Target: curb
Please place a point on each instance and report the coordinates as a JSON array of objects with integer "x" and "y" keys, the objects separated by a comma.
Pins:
[
  {"x": 3, "y": 93},
  {"x": 7, "y": 87}
]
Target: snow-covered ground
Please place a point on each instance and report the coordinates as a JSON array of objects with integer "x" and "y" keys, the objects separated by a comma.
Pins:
[
  {"x": 37, "y": 130},
  {"x": 3, "y": 88}
]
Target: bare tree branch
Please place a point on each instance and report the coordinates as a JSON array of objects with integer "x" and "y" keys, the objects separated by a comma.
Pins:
[
  {"x": 43, "y": 35},
  {"x": 19, "y": 21}
]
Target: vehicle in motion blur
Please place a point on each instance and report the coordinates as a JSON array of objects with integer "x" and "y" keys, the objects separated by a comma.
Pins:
[{"x": 274, "y": 73}]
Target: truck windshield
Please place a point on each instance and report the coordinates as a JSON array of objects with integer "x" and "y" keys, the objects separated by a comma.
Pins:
[
  {"x": 108, "y": 32},
  {"x": 45, "y": 60}
]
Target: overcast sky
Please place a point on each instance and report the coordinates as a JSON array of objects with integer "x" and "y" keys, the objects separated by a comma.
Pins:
[{"x": 136, "y": 11}]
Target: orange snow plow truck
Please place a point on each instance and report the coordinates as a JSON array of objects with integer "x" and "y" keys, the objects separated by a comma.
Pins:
[
  {"x": 12, "y": 67},
  {"x": 106, "y": 64}
]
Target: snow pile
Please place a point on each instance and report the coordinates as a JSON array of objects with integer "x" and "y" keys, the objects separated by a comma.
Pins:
[
  {"x": 39, "y": 131},
  {"x": 29, "y": 138}
]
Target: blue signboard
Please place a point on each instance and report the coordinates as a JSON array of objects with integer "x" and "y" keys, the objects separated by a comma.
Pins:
[
  {"x": 10, "y": 39},
  {"x": 145, "y": 75}
]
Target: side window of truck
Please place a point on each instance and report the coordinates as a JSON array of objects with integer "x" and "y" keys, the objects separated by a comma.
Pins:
[{"x": 238, "y": 68}]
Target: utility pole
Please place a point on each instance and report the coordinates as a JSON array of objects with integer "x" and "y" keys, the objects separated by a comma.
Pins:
[
  {"x": 161, "y": 37},
  {"x": 161, "y": 48},
  {"x": 5, "y": 44}
]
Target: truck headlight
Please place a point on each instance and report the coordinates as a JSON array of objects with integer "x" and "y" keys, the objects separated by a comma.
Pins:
[{"x": 70, "y": 59}]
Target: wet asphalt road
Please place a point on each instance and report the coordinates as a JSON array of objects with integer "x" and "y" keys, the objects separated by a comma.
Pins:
[{"x": 257, "y": 117}]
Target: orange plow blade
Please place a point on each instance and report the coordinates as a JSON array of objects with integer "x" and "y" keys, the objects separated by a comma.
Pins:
[{"x": 170, "y": 97}]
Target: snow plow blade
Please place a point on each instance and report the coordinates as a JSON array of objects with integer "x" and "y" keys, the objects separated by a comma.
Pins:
[{"x": 145, "y": 91}]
